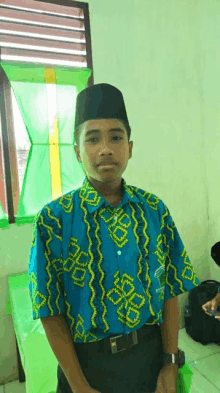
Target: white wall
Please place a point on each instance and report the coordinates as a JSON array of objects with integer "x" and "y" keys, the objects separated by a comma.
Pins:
[{"x": 164, "y": 57}]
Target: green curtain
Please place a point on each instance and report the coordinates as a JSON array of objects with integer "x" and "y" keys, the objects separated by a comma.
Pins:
[{"x": 46, "y": 97}]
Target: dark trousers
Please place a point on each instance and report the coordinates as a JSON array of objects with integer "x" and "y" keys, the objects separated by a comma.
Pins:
[{"x": 133, "y": 370}]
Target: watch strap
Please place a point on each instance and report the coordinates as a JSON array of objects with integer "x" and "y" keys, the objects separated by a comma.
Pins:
[{"x": 174, "y": 358}]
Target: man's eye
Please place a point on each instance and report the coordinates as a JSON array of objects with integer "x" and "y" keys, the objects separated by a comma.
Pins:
[{"x": 96, "y": 138}]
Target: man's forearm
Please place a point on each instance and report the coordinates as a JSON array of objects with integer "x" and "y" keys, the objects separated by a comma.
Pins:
[
  {"x": 61, "y": 342},
  {"x": 170, "y": 326}
]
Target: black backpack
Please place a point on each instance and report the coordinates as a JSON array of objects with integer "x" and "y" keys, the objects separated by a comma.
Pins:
[{"x": 200, "y": 326}]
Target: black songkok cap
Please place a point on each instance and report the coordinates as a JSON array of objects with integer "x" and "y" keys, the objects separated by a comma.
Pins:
[{"x": 100, "y": 101}]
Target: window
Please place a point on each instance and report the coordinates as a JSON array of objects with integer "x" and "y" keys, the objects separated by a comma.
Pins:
[{"x": 47, "y": 44}]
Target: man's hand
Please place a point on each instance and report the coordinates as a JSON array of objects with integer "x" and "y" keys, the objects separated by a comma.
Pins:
[
  {"x": 85, "y": 389},
  {"x": 167, "y": 379}
]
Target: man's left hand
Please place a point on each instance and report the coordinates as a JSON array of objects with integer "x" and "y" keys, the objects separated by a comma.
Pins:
[{"x": 167, "y": 379}]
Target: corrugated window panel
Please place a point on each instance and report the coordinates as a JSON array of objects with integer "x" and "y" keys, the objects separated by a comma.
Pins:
[
  {"x": 40, "y": 7},
  {"x": 40, "y": 57},
  {"x": 42, "y": 32}
]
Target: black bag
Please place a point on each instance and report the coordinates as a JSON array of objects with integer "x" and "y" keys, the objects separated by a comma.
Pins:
[{"x": 200, "y": 326}]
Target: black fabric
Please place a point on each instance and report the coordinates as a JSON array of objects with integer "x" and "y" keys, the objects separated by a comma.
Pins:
[
  {"x": 199, "y": 326},
  {"x": 135, "y": 369}
]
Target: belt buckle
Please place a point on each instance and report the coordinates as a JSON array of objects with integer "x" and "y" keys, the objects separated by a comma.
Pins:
[{"x": 114, "y": 344}]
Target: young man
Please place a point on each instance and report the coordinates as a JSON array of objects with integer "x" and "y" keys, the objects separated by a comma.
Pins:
[{"x": 106, "y": 261}]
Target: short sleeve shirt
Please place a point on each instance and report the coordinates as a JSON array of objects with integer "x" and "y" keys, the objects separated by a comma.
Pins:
[{"x": 108, "y": 269}]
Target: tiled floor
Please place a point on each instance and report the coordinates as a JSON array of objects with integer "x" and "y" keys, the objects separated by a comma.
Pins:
[{"x": 205, "y": 365}]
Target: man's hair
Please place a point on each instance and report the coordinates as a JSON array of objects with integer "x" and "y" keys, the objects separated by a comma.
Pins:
[{"x": 78, "y": 129}]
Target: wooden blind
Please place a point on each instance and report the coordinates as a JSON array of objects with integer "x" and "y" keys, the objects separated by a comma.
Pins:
[{"x": 44, "y": 33}]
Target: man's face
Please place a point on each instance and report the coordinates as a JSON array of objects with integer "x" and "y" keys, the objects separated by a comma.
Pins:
[{"x": 102, "y": 145}]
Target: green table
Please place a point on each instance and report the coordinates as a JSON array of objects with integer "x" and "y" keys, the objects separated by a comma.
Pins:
[{"x": 36, "y": 360}]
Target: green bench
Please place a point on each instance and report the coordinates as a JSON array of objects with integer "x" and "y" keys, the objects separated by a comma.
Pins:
[{"x": 36, "y": 361}]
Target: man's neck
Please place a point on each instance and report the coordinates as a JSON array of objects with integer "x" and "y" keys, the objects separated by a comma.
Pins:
[{"x": 107, "y": 192}]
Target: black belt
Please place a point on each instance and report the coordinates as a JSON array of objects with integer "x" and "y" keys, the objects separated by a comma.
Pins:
[{"x": 115, "y": 344}]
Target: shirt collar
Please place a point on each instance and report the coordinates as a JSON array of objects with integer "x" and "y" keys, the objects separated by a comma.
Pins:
[{"x": 94, "y": 200}]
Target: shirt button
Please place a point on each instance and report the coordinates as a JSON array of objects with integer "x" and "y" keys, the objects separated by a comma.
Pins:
[{"x": 119, "y": 252}]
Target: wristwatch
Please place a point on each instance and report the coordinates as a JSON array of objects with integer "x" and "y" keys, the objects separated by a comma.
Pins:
[{"x": 174, "y": 358}]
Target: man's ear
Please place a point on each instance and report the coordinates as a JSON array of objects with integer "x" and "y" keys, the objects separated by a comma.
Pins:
[{"x": 77, "y": 152}]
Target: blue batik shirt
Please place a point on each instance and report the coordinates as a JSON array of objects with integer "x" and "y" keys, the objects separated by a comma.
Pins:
[{"x": 107, "y": 269}]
